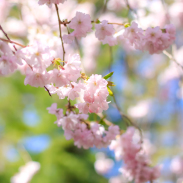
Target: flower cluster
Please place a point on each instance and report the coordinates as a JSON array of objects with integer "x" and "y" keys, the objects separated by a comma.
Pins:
[
  {"x": 81, "y": 24},
  {"x": 154, "y": 40},
  {"x": 137, "y": 163},
  {"x": 85, "y": 134},
  {"x": 95, "y": 95}
]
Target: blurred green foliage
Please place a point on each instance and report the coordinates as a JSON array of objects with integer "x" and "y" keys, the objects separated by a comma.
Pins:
[{"x": 61, "y": 162}]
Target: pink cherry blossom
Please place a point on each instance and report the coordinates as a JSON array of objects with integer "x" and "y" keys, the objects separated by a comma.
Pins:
[
  {"x": 58, "y": 112},
  {"x": 5, "y": 49},
  {"x": 104, "y": 29},
  {"x": 84, "y": 134},
  {"x": 75, "y": 89},
  {"x": 137, "y": 161},
  {"x": 110, "y": 40},
  {"x": 134, "y": 35},
  {"x": 7, "y": 65},
  {"x": 81, "y": 24},
  {"x": 58, "y": 77},
  {"x": 152, "y": 34},
  {"x": 37, "y": 79},
  {"x": 153, "y": 40},
  {"x": 68, "y": 39},
  {"x": 38, "y": 56}
]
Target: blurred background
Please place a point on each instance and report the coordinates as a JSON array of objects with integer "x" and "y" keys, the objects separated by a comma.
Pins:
[{"x": 149, "y": 89}]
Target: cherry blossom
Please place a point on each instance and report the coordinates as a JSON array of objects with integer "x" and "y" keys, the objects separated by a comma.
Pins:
[
  {"x": 85, "y": 134},
  {"x": 104, "y": 29},
  {"x": 37, "y": 79},
  {"x": 38, "y": 56},
  {"x": 81, "y": 24},
  {"x": 137, "y": 162},
  {"x": 7, "y": 65}
]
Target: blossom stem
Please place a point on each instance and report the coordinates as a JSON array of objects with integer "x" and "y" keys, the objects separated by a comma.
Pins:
[
  {"x": 13, "y": 42},
  {"x": 60, "y": 31},
  {"x": 6, "y": 35}
]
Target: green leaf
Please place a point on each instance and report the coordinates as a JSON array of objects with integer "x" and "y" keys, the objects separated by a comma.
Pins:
[
  {"x": 110, "y": 91},
  {"x": 108, "y": 75}
]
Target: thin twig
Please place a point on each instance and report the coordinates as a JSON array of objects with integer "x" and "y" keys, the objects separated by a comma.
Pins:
[
  {"x": 128, "y": 119},
  {"x": 172, "y": 58},
  {"x": 48, "y": 91},
  {"x": 6, "y": 35},
  {"x": 60, "y": 31},
  {"x": 116, "y": 104},
  {"x": 13, "y": 42},
  {"x": 68, "y": 22},
  {"x": 116, "y": 24}
]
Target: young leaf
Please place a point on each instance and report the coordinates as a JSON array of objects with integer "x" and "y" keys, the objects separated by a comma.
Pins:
[
  {"x": 108, "y": 75},
  {"x": 110, "y": 91}
]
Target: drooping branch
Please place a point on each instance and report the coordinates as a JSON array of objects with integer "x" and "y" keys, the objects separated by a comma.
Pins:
[
  {"x": 123, "y": 116},
  {"x": 172, "y": 58}
]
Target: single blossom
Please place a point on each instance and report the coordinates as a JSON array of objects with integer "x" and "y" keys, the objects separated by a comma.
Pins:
[
  {"x": 104, "y": 29},
  {"x": 7, "y": 65}
]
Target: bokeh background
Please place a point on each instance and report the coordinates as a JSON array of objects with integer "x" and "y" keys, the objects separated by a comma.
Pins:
[{"x": 149, "y": 89}]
